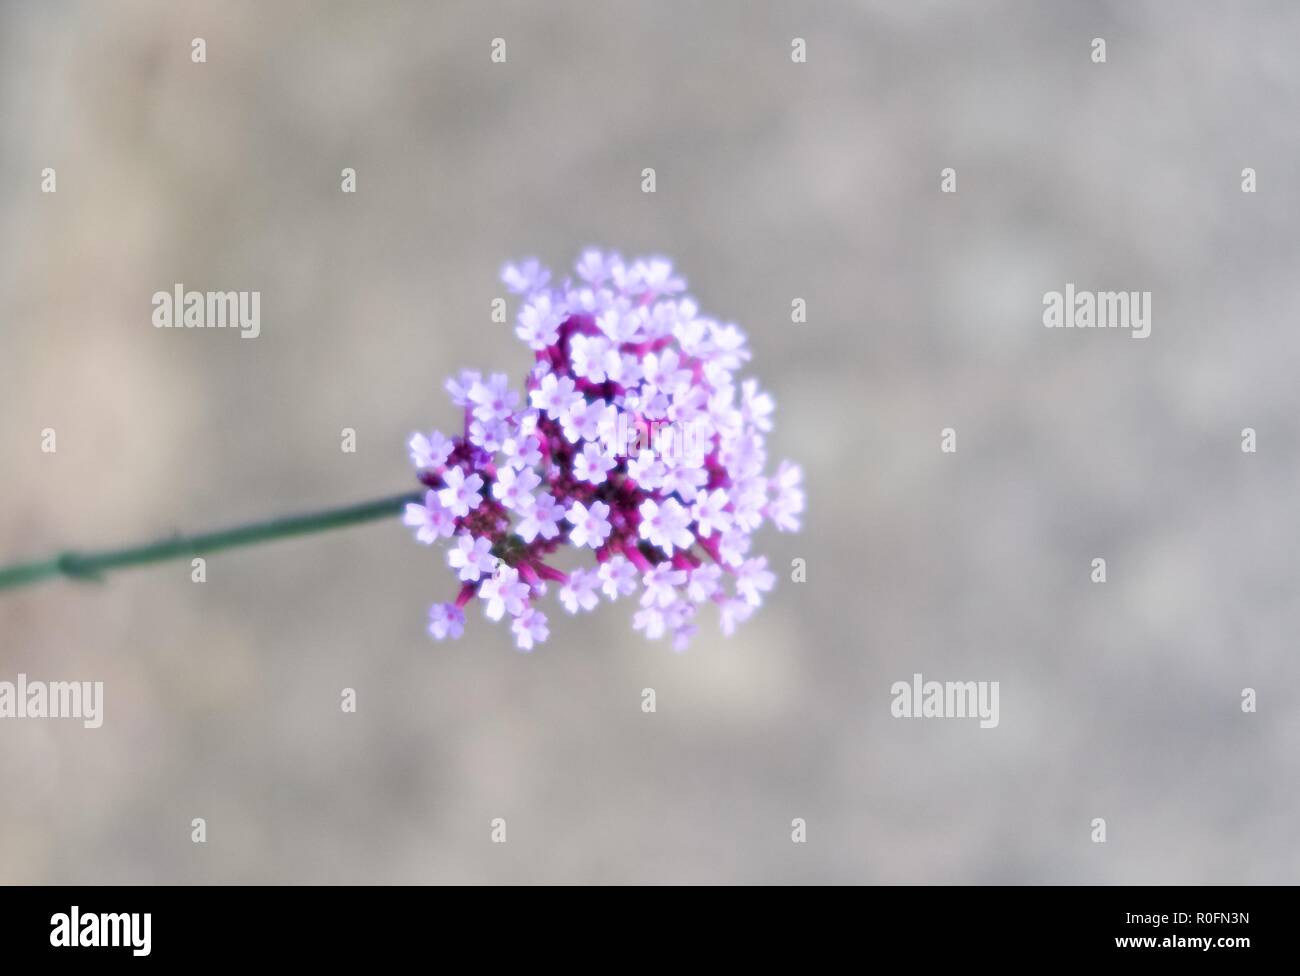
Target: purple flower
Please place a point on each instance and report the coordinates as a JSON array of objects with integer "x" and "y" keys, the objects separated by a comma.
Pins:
[
  {"x": 754, "y": 579},
  {"x": 733, "y": 612},
  {"x": 705, "y": 582},
  {"x": 593, "y": 268},
  {"x": 542, "y": 519},
  {"x": 733, "y": 547},
  {"x": 756, "y": 408},
  {"x": 522, "y": 451},
  {"x": 430, "y": 520},
  {"x": 592, "y": 464},
  {"x": 488, "y": 434},
  {"x": 461, "y": 494},
  {"x": 586, "y": 420},
  {"x": 556, "y": 396},
  {"x": 590, "y": 525},
  {"x": 504, "y": 593},
  {"x": 473, "y": 557},
  {"x": 579, "y": 591},
  {"x": 651, "y": 620},
  {"x": 446, "y": 620},
  {"x": 661, "y": 584},
  {"x": 459, "y": 386},
  {"x": 647, "y": 470},
  {"x": 656, "y": 276},
  {"x": 526, "y": 277},
  {"x": 530, "y": 628},
  {"x": 514, "y": 488},
  {"x": 662, "y": 373},
  {"x": 709, "y": 512},
  {"x": 787, "y": 497},
  {"x": 539, "y": 322},
  {"x": 666, "y": 524},
  {"x": 493, "y": 400},
  {"x": 430, "y": 452},
  {"x": 617, "y": 577},
  {"x": 632, "y": 429},
  {"x": 683, "y": 478}
]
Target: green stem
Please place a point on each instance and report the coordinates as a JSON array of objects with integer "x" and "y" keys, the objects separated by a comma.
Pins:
[{"x": 90, "y": 565}]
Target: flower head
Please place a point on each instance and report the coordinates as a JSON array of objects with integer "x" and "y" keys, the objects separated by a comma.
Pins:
[{"x": 632, "y": 437}]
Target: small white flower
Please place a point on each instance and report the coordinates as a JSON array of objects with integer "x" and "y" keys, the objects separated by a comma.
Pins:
[
  {"x": 592, "y": 465},
  {"x": 584, "y": 420},
  {"x": 709, "y": 512},
  {"x": 458, "y": 386},
  {"x": 460, "y": 494},
  {"x": 787, "y": 499},
  {"x": 587, "y": 354},
  {"x": 431, "y": 520},
  {"x": 513, "y": 489},
  {"x": 620, "y": 324},
  {"x": 579, "y": 592},
  {"x": 753, "y": 579},
  {"x": 539, "y": 322},
  {"x": 651, "y": 620},
  {"x": 733, "y": 612},
  {"x": 430, "y": 452},
  {"x": 504, "y": 593},
  {"x": 593, "y": 267},
  {"x": 530, "y": 628},
  {"x": 529, "y": 276},
  {"x": 666, "y": 525},
  {"x": 446, "y": 620},
  {"x": 626, "y": 371},
  {"x": 729, "y": 345},
  {"x": 488, "y": 435},
  {"x": 732, "y": 546},
  {"x": 590, "y": 525},
  {"x": 472, "y": 557},
  {"x": 663, "y": 371},
  {"x": 493, "y": 400},
  {"x": 705, "y": 581},
  {"x": 656, "y": 276},
  {"x": 647, "y": 470},
  {"x": 522, "y": 451},
  {"x": 617, "y": 577},
  {"x": 683, "y": 479},
  {"x": 661, "y": 584},
  {"x": 542, "y": 519},
  {"x": 555, "y": 396},
  {"x": 756, "y": 407}
]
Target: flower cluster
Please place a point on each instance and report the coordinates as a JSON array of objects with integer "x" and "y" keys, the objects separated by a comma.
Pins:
[{"x": 632, "y": 438}]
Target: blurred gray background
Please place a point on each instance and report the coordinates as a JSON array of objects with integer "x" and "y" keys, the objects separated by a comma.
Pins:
[{"x": 775, "y": 180}]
